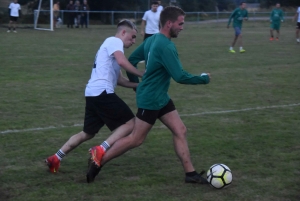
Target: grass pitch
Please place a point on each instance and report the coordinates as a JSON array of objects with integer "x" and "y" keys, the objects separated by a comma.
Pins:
[{"x": 247, "y": 117}]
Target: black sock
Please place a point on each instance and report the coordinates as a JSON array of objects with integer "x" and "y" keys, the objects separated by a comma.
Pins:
[{"x": 190, "y": 174}]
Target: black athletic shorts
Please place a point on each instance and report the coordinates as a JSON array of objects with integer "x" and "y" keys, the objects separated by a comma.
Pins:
[
  {"x": 105, "y": 109},
  {"x": 298, "y": 25},
  {"x": 150, "y": 116},
  {"x": 14, "y": 19},
  {"x": 147, "y": 36}
]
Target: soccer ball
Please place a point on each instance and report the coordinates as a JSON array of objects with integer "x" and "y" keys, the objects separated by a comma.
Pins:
[{"x": 219, "y": 176}]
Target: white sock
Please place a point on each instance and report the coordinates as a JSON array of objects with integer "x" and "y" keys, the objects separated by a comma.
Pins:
[
  {"x": 231, "y": 48},
  {"x": 105, "y": 146},
  {"x": 60, "y": 154},
  {"x": 241, "y": 48}
]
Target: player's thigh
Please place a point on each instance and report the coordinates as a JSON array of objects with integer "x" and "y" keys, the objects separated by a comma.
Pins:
[{"x": 173, "y": 121}]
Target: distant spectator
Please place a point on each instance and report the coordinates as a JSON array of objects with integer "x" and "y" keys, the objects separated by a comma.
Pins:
[
  {"x": 151, "y": 20},
  {"x": 56, "y": 9},
  {"x": 14, "y": 13},
  {"x": 77, "y": 16},
  {"x": 70, "y": 15},
  {"x": 85, "y": 7}
]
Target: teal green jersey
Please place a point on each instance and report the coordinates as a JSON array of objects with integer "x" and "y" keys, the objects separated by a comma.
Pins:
[
  {"x": 162, "y": 64},
  {"x": 238, "y": 15},
  {"x": 276, "y": 15}
]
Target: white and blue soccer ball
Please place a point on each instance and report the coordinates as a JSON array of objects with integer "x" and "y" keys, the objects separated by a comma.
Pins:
[{"x": 219, "y": 176}]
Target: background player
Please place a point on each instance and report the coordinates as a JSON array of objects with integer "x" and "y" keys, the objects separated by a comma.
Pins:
[
  {"x": 150, "y": 21},
  {"x": 238, "y": 15},
  {"x": 297, "y": 17},
  {"x": 276, "y": 18},
  {"x": 14, "y": 14}
]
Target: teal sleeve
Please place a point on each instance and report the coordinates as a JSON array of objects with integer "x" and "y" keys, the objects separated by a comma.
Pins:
[
  {"x": 271, "y": 15},
  {"x": 136, "y": 56},
  {"x": 173, "y": 65},
  {"x": 246, "y": 14},
  {"x": 281, "y": 15},
  {"x": 230, "y": 18}
]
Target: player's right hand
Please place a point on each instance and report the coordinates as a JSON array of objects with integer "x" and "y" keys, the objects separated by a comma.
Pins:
[{"x": 204, "y": 74}]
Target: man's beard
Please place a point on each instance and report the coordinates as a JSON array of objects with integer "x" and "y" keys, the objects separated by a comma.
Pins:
[{"x": 173, "y": 33}]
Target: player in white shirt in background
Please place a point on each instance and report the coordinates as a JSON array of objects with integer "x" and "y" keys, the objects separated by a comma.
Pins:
[
  {"x": 14, "y": 14},
  {"x": 160, "y": 7},
  {"x": 151, "y": 20},
  {"x": 103, "y": 106},
  {"x": 297, "y": 16}
]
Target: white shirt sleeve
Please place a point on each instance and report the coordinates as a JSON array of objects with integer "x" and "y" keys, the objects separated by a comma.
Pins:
[
  {"x": 116, "y": 44},
  {"x": 145, "y": 17}
]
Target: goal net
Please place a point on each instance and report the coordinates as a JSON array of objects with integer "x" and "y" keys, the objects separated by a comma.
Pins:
[{"x": 43, "y": 18}]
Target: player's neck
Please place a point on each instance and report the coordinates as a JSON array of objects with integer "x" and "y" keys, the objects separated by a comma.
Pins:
[{"x": 165, "y": 32}]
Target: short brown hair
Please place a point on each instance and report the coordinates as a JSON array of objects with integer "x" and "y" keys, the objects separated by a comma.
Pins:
[
  {"x": 127, "y": 23},
  {"x": 170, "y": 13}
]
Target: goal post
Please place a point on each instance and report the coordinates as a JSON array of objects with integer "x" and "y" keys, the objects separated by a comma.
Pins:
[{"x": 48, "y": 26}]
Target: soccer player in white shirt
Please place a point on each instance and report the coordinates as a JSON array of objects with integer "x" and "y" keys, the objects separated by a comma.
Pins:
[
  {"x": 103, "y": 106},
  {"x": 160, "y": 7},
  {"x": 151, "y": 20},
  {"x": 14, "y": 13},
  {"x": 297, "y": 16}
]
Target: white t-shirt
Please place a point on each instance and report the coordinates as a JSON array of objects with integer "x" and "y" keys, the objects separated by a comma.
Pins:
[
  {"x": 152, "y": 22},
  {"x": 160, "y": 8},
  {"x": 14, "y": 9},
  {"x": 298, "y": 11},
  {"x": 106, "y": 70}
]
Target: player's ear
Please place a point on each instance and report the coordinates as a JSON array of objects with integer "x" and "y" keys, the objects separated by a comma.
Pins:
[
  {"x": 169, "y": 23},
  {"x": 123, "y": 32}
]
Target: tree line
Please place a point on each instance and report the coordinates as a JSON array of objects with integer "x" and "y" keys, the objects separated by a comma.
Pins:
[{"x": 186, "y": 5}]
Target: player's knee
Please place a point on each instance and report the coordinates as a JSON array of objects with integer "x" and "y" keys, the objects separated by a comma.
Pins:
[
  {"x": 85, "y": 136},
  {"x": 181, "y": 132}
]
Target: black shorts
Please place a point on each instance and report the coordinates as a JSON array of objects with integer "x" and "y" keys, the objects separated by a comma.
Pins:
[
  {"x": 105, "y": 109},
  {"x": 147, "y": 36},
  {"x": 14, "y": 19},
  {"x": 150, "y": 116},
  {"x": 298, "y": 25}
]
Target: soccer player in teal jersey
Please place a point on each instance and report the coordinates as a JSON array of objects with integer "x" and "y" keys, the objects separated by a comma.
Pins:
[
  {"x": 162, "y": 64},
  {"x": 238, "y": 15},
  {"x": 275, "y": 18}
]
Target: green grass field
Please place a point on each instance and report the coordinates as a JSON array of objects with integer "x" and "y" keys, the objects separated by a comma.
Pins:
[{"x": 248, "y": 118}]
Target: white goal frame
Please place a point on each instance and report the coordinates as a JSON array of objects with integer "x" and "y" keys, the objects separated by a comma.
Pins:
[{"x": 37, "y": 13}]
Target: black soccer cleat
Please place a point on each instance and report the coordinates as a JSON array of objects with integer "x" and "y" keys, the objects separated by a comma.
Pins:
[
  {"x": 196, "y": 179},
  {"x": 93, "y": 171}
]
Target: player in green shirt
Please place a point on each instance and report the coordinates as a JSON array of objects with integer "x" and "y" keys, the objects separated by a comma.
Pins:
[
  {"x": 238, "y": 15},
  {"x": 162, "y": 64},
  {"x": 275, "y": 18}
]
